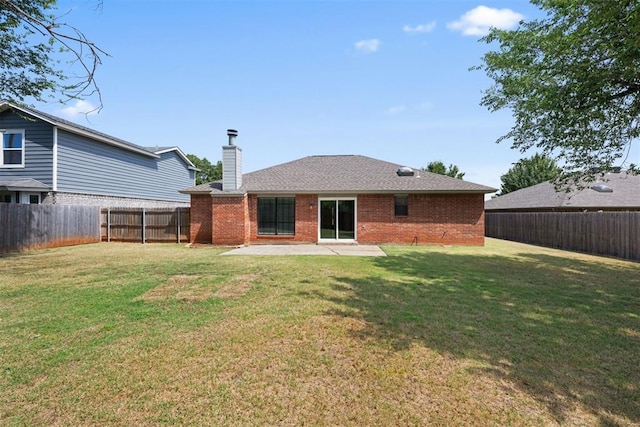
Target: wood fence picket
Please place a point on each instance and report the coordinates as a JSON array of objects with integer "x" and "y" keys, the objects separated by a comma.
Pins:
[{"x": 612, "y": 233}]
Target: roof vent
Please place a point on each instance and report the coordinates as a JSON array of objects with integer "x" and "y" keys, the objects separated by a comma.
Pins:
[
  {"x": 601, "y": 188},
  {"x": 232, "y": 134},
  {"x": 405, "y": 171}
]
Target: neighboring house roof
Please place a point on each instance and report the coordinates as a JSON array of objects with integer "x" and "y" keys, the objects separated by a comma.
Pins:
[
  {"x": 22, "y": 184},
  {"x": 345, "y": 174},
  {"x": 621, "y": 191},
  {"x": 93, "y": 134}
]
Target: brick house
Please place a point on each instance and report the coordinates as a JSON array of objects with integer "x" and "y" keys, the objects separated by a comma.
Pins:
[{"x": 334, "y": 199}]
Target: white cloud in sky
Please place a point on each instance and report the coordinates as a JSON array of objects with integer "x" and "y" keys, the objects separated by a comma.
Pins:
[
  {"x": 421, "y": 28},
  {"x": 80, "y": 107},
  {"x": 399, "y": 109},
  {"x": 396, "y": 109},
  {"x": 477, "y": 22},
  {"x": 368, "y": 46}
]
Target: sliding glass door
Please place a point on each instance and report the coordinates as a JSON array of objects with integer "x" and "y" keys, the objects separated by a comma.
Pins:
[{"x": 337, "y": 219}]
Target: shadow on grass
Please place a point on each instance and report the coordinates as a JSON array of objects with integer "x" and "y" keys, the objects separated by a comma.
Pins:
[{"x": 565, "y": 331}]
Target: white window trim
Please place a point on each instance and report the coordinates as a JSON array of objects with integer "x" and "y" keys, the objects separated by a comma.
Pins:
[
  {"x": 355, "y": 220},
  {"x": 24, "y": 144},
  {"x": 26, "y": 196}
]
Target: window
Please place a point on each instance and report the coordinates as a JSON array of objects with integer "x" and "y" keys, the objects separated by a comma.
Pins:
[
  {"x": 5, "y": 198},
  {"x": 277, "y": 216},
  {"x": 402, "y": 205},
  {"x": 12, "y": 152},
  {"x": 29, "y": 198}
]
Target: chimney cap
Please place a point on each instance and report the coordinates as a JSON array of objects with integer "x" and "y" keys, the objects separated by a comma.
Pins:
[{"x": 232, "y": 132}]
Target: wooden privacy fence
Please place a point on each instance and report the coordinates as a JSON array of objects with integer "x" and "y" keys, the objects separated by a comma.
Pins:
[
  {"x": 145, "y": 225},
  {"x": 24, "y": 227},
  {"x": 615, "y": 234}
]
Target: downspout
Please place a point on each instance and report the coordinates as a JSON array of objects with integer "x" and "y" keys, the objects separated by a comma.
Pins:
[{"x": 54, "y": 180}]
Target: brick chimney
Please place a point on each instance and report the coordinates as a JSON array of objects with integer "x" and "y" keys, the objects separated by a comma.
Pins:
[{"x": 231, "y": 163}]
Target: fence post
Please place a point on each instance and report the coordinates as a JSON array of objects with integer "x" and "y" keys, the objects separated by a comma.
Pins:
[
  {"x": 144, "y": 226},
  {"x": 179, "y": 222},
  {"x": 108, "y": 224}
]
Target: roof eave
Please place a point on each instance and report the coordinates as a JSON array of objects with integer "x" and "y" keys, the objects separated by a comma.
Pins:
[
  {"x": 69, "y": 128},
  {"x": 181, "y": 155},
  {"x": 349, "y": 192},
  {"x": 23, "y": 188}
]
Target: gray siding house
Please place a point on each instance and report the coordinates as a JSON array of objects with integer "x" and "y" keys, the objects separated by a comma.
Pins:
[{"x": 45, "y": 159}]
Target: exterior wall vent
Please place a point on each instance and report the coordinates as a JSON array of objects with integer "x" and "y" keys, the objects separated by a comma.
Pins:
[{"x": 405, "y": 171}]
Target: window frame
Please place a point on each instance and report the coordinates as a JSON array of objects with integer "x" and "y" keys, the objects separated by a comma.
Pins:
[
  {"x": 22, "y": 150},
  {"x": 283, "y": 218},
  {"x": 401, "y": 209},
  {"x": 27, "y": 198}
]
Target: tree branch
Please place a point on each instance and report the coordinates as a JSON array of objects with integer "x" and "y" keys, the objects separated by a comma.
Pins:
[{"x": 73, "y": 41}]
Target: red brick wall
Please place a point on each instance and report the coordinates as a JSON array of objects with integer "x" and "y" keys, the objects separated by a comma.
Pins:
[
  {"x": 200, "y": 227},
  {"x": 306, "y": 222},
  {"x": 433, "y": 219},
  {"x": 229, "y": 220}
]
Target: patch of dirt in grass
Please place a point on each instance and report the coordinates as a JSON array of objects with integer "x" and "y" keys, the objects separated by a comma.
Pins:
[
  {"x": 179, "y": 287},
  {"x": 237, "y": 286}
]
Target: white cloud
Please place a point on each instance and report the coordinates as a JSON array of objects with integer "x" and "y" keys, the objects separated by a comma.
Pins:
[
  {"x": 399, "y": 109},
  {"x": 80, "y": 107},
  {"x": 396, "y": 109},
  {"x": 421, "y": 28},
  {"x": 368, "y": 46},
  {"x": 477, "y": 22}
]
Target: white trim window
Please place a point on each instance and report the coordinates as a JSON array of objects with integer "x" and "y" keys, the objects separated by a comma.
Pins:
[
  {"x": 337, "y": 219},
  {"x": 30, "y": 198},
  {"x": 12, "y": 150}
]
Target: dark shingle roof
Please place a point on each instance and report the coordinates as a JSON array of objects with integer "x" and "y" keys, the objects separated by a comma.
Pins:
[
  {"x": 625, "y": 195},
  {"x": 346, "y": 174}
]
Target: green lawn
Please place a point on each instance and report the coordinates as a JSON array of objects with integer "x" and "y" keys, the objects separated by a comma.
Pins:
[{"x": 508, "y": 334}]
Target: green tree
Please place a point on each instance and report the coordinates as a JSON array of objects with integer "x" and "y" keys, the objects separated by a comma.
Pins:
[
  {"x": 571, "y": 81},
  {"x": 34, "y": 44},
  {"x": 438, "y": 167},
  {"x": 208, "y": 172},
  {"x": 527, "y": 172}
]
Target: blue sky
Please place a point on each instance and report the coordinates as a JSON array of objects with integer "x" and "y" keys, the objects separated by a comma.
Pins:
[{"x": 385, "y": 79}]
